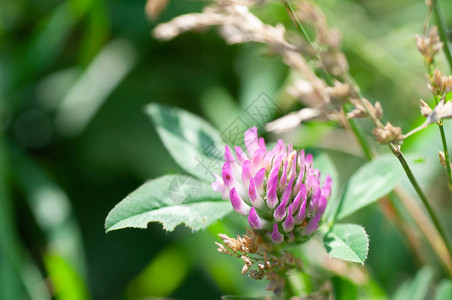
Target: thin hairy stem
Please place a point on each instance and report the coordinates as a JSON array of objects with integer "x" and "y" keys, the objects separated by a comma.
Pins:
[
  {"x": 361, "y": 138},
  {"x": 291, "y": 12},
  {"x": 293, "y": 17},
  {"x": 422, "y": 196},
  {"x": 435, "y": 234},
  {"x": 442, "y": 31},
  {"x": 446, "y": 152}
]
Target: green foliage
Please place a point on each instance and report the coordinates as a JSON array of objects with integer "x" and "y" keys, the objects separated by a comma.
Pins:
[
  {"x": 343, "y": 288},
  {"x": 162, "y": 275},
  {"x": 193, "y": 143},
  {"x": 54, "y": 192},
  {"x": 444, "y": 290},
  {"x": 417, "y": 288},
  {"x": 348, "y": 242},
  {"x": 66, "y": 282},
  {"x": 170, "y": 200},
  {"x": 323, "y": 162},
  {"x": 371, "y": 182}
]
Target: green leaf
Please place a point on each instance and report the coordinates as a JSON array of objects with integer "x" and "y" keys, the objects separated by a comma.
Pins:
[
  {"x": 344, "y": 288},
  {"x": 348, "y": 242},
  {"x": 417, "y": 288},
  {"x": 66, "y": 281},
  {"x": 18, "y": 273},
  {"x": 371, "y": 182},
  {"x": 444, "y": 290},
  {"x": 170, "y": 200},
  {"x": 195, "y": 145},
  {"x": 163, "y": 275},
  {"x": 51, "y": 208}
]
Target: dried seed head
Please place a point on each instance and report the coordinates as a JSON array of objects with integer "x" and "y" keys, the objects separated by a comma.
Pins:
[
  {"x": 261, "y": 267},
  {"x": 231, "y": 245},
  {"x": 425, "y": 108},
  {"x": 378, "y": 110},
  {"x": 245, "y": 269},
  {"x": 246, "y": 260},
  {"x": 447, "y": 81},
  {"x": 429, "y": 45},
  {"x": 339, "y": 93},
  {"x": 364, "y": 109},
  {"x": 442, "y": 158},
  {"x": 222, "y": 248},
  {"x": 154, "y": 8},
  {"x": 388, "y": 134},
  {"x": 230, "y": 242},
  {"x": 440, "y": 83},
  {"x": 334, "y": 62},
  {"x": 357, "y": 113},
  {"x": 223, "y": 236},
  {"x": 437, "y": 85},
  {"x": 442, "y": 111},
  {"x": 328, "y": 37},
  {"x": 308, "y": 13},
  {"x": 256, "y": 274},
  {"x": 250, "y": 244}
]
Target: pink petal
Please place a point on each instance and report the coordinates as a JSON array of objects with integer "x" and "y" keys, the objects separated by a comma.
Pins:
[
  {"x": 280, "y": 212},
  {"x": 272, "y": 189},
  {"x": 254, "y": 220},
  {"x": 277, "y": 237},
  {"x": 301, "y": 215},
  {"x": 241, "y": 156},
  {"x": 251, "y": 140},
  {"x": 246, "y": 173},
  {"x": 227, "y": 176},
  {"x": 256, "y": 199},
  {"x": 237, "y": 203},
  {"x": 288, "y": 223},
  {"x": 312, "y": 226}
]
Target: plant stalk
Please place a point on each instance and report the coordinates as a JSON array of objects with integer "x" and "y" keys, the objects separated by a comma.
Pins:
[
  {"x": 439, "y": 227},
  {"x": 361, "y": 139},
  {"x": 446, "y": 153},
  {"x": 442, "y": 32}
]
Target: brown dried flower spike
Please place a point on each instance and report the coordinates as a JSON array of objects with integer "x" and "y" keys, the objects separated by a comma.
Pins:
[
  {"x": 388, "y": 134},
  {"x": 252, "y": 250},
  {"x": 429, "y": 45}
]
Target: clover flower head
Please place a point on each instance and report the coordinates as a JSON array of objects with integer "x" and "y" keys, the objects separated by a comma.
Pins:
[{"x": 279, "y": 190}]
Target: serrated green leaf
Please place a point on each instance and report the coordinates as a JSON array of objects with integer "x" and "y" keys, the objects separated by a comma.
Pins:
[
  {"x": 348, "y": 242},
  {"x": 170, "y": 200},
  {"x": 193, "y": 143},
  {"x": 371, "y": 182}
]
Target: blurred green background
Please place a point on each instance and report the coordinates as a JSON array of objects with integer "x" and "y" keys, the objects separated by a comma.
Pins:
[{"x": 74, "y": 78}]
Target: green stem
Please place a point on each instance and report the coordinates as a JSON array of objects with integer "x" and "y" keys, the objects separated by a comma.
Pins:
[
  {"x": 423, "y": 197},
  {"x": 446, "y": 152},
  {"x": 361, "y": 139},
  {"x": 442, "y": 32},
  {"x": 295, "y": 20},
  {"x": 291, "y": 12}
]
